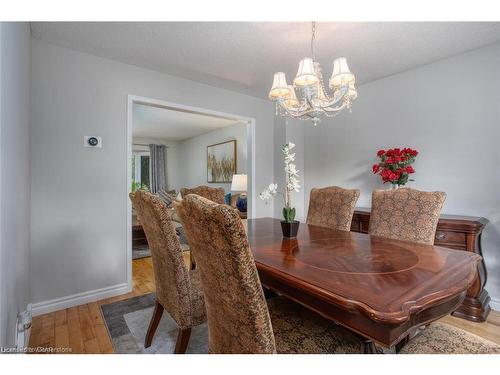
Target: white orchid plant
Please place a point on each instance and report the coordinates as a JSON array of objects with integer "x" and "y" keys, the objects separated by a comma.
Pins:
[{"x": 292, "y": 184}]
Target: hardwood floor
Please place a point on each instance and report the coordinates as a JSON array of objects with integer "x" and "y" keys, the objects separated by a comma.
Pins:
[{"x": 82, "y": 328}]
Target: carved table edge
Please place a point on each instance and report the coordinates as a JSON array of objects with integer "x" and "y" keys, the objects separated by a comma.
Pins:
[{"x": 397, "y": 317}]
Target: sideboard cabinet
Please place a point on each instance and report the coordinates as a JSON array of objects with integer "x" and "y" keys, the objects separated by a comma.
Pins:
[{"x": 456, "y": 232}]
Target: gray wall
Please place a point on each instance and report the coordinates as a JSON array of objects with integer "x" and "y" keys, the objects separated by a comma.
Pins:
[
  {"x": 15, "y": 70},
  {"x": 193, "y": 155},
  {"x": 450, "y": 112},
  {"x": 79, "y": 195}
]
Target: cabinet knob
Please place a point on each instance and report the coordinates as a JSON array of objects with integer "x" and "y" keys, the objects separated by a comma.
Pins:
[{"x": 440, "y": 235}]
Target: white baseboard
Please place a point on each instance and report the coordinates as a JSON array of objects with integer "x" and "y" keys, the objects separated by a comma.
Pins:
[
  {"x": 495, "y": 304},
  {"x": 45, "y": 307}
]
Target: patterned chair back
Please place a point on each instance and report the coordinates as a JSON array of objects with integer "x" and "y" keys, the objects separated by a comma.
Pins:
[
  {"x": 406, "y": 214},
  {"x": 332, "y": 207},
  {"x": 171, "y": 275},
  {"x": 238, "y": 317},
  {"x": 214, "y": 194}
]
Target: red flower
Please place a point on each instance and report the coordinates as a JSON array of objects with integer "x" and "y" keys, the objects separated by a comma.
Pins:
[
  {"x": 395, "y": 163},
  {"x": 410, "y": 151},
  {"x": 388, "y": 175}
]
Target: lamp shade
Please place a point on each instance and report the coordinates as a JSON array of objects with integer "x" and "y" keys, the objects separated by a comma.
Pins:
[
  {"x": 306, "y": 75},
  {"x": 292, "y": 100},
  {"x": 239, "y": 183},
  {"x": 341, "y": 74},
  {"x": 280, "y": 88}
]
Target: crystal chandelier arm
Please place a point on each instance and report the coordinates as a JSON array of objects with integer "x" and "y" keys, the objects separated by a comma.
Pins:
[
  {"x": 335, "y": 109},
  {"x": 307, "y": 111}
]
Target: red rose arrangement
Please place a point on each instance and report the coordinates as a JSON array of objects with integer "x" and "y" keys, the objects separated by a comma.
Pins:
[{"x": 395, "y": 165}]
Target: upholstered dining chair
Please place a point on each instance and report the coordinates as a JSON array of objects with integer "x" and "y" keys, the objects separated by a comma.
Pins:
[
  {"x": 214, "y": 194},
  {"x": 406, "y": 214},
  {"x": 239, "y": 320},
  {"x": 177, "y": 290},
  {"x": 332, "y": 207}
]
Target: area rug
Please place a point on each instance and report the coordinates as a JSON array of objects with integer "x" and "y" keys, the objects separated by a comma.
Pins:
[
  {"x": 127, "y": 322},
  {"x": 142, "y": 250}
]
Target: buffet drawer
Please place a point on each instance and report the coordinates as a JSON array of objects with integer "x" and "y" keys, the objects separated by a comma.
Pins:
[{"x": 455, "y": 240}]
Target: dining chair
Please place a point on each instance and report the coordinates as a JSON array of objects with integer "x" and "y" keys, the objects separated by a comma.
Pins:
[
  {"x": 332, "y": 207},
  {"x": 406, "y": 214},
  {"x": 239, "y": 319},
  {"x": 440, "y": 338},
  {"x": 177, "y": 290},
  {"x": 214, "y": 194}
]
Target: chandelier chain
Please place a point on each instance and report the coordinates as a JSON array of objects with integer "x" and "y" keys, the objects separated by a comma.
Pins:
[{"x": 313, "y": 39}]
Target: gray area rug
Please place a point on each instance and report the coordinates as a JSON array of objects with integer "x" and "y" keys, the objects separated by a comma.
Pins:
[
  {"x": 142, "y": 250},
  {"x": 127, "y": 323}
]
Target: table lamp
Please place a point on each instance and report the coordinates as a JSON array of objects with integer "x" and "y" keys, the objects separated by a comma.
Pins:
[{"x": 239, "y": 185}]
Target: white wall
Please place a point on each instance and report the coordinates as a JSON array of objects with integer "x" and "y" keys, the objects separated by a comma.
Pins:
[
  {"x": 289, "y": 130},
  {"x": 450, "y": 112},
  {"x": 79, "y": 195},
  {"x": 193, "y": 155},
  {"x": 15, "y": 70}
]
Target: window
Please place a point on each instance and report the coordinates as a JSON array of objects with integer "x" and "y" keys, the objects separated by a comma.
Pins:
[{"x": 140, "y": 170}]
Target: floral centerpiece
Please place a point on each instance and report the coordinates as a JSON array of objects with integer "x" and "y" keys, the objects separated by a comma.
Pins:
[
  {"x": 289, "y": 225},
  {"x": 395, "y": 165}
]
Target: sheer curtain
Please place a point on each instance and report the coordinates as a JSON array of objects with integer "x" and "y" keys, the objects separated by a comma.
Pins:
[{"x": 157, "y": 168}]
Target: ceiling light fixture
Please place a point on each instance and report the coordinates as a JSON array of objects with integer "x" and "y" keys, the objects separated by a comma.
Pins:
[{"x": 313, "y": 100}]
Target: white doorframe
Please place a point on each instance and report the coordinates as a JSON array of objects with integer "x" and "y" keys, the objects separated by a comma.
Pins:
[{"x": 190, "y": 109}]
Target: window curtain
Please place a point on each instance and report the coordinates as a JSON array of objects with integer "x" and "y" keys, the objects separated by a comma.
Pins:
[{"x": 157, "y": 168}]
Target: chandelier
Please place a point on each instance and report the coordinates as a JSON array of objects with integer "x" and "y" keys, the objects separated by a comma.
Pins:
[{"x": 307, "y": 98}]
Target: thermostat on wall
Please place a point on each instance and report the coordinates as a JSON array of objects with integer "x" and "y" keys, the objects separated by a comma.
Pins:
[{"x": 92, "y": 141}]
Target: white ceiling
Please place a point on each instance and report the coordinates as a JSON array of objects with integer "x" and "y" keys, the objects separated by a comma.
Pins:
[
  {"x": 171, "y": 125},
  {"x": 243, "y": 56}
]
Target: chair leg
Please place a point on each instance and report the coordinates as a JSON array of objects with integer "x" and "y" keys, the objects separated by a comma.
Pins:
[
  {"x": 192, "y": 261},
  {"x": 153, "y": 324},
  {"x": 182, "y": 340}
]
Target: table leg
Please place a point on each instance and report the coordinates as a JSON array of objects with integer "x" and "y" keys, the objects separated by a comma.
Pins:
[{"x": 367, "y": 346}]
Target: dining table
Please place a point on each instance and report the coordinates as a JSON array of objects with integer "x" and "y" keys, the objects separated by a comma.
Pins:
[{"x": 381, "y": 289}]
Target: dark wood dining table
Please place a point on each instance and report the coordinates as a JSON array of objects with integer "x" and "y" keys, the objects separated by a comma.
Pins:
[{"x": 381, "y": 289}]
